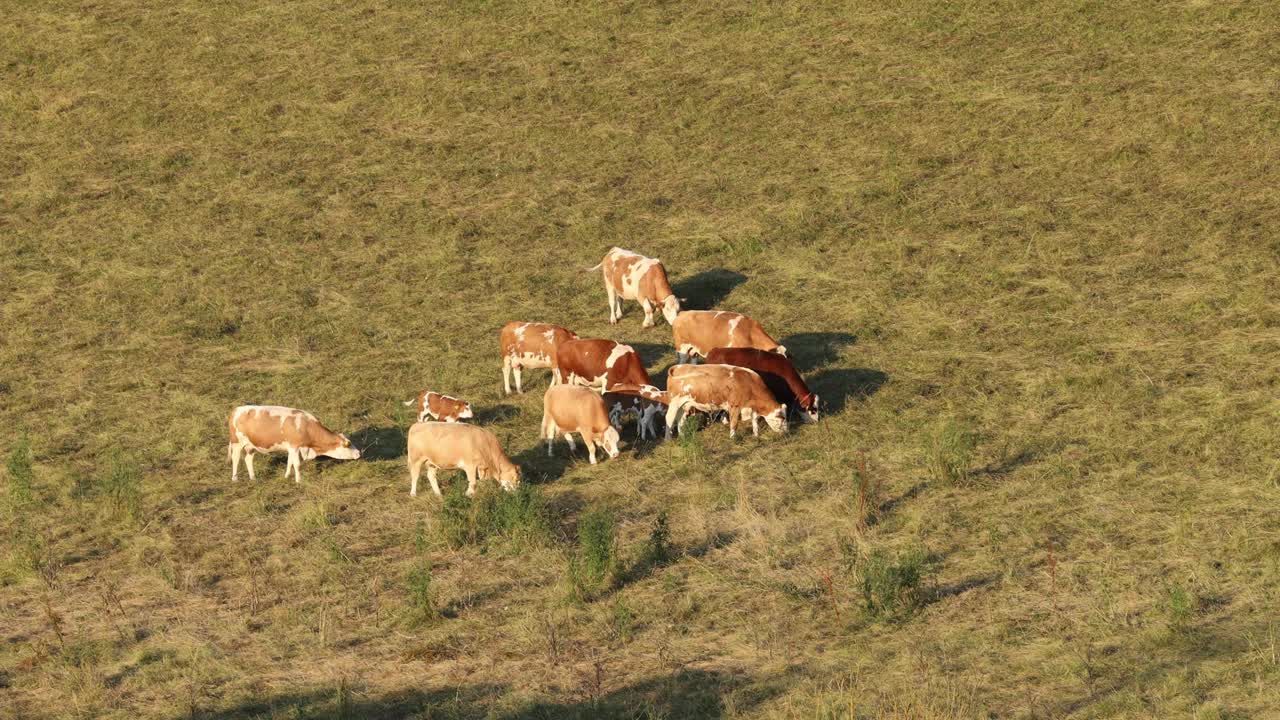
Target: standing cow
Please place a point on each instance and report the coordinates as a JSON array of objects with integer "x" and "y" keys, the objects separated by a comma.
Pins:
[
  {"x": 596, "y": 362},
  {"x": 435, "y": 406},
  {"x": 567, "y": 409},
  {"x": 457, "y": 446},
  {"x": 698, "y": 332},
  {"x": 646, "y": 402},
  {"x": 270, "y": 428},
  {"x": 778, "y": 373},
  {"x": 632, "y": 276},
  {"x": 530, "y": 345},
  {"x": 710, "y": 388}
]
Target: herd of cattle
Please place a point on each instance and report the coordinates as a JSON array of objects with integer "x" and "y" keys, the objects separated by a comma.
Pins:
[{"x": 595, "y": 385}]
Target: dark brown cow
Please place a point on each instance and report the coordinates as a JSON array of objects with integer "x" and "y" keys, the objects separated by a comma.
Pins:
[
  {"x": 778, "y": 373},
  {"x": 530, "y": 345},
  {"x": 632, "y": 276},
  {"x": 270, "y": 428},
  {"x": 596, "y": 362}
]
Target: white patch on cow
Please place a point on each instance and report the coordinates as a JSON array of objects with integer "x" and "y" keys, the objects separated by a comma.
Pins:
[
  {"x": 520, "y": 332},
  {"x": 631, "y": 281},
  {"x": 550, "y": 335},
  {"x": 733, "y": 327},
  {"x": 619, "y": 350}
]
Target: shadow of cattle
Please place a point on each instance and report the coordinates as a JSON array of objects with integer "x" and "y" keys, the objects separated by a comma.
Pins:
[
  {"x": 380, "y": 443},
  {"x": 683, "y": 693},
  {"x": 812, "y": 350},
  {"x": 493, "y": 414},
  {"x": 651, "y": 353},
  {"x": 707, "y": 289},
  {"x": 537, "y": 468},
  {"x": 837, "y": 385}
]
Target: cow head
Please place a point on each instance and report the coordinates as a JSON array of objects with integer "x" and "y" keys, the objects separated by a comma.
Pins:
[
  {"x": 509, "y": 477},
  {"x": 810, "y": 403},
  {"x": 777, "y": 420},
  {"x": 466, "y": 413},
  {"x": 343, "y": 451},
  {"x": 610, "y": 442},
  {"x": 781, "y": 350},
  {"x": 671, "y": 308}
]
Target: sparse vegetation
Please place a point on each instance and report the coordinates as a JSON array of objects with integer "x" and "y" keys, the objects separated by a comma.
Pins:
[
  {"x": 593, "y": 565},
  {"x": 1024, "y": 252}
]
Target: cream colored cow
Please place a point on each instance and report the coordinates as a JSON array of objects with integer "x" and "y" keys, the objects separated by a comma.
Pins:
[
  {"x": 698, "y": 332},
  {"x": 568, "y": 409},
  {"x": 457, "y": 446},
  {"x": 270, "y": 428},
  {"x": 737, "y": 390}
]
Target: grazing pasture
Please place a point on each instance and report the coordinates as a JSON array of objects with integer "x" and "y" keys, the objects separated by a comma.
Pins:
[{"x": 1026, "y": 253}]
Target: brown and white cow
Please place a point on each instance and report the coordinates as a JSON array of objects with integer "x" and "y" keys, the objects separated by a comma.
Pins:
[
  {"x": 270, "y": 428},
  {"x": 778, "y": 373},
  {"x": 738, "y": 391},
  {"x": 596, "y": 362},
  {"x": 698, "y": 332},
  {"x": 646, "y": 402},
  {"x": 568, "y": 409},
  {"x": 458, "y": 446},
  {"x": 632, "y": 276},
  {"x": 530, "y": 345},
  {"x": 444, "y": 408}
]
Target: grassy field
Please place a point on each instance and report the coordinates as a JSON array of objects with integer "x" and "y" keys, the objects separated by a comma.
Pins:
[{"x": 1026, "y": 251}]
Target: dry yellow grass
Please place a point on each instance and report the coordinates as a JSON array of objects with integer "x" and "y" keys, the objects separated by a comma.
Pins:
[{"x": 1052, "y": 225}]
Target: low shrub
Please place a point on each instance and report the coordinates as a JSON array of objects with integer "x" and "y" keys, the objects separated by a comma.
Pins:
[
  {"x": 519, "y": 518},
  {"x": 950, "y": 451},
  {"x": 890, "y": 584}
]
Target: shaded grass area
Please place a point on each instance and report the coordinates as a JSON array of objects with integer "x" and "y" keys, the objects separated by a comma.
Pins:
[{"x": 1025, "y": 252}]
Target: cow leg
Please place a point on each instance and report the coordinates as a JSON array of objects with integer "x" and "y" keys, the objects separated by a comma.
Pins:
[
  {"x": 673, "y": 412},
  {"x": 233, "y": 452},
  {"x": 506, "y": 374},
  {"x": 415, "y": 470},
  {"x": 548, "y": 432},
  {"x": 471, "y": 480},
  {"x": 614, "y": 311},
  {"x": 431, "y": 478},
  {"x": 573, "y": 448},
  {"x": 519, "y": 389},
  {"x": 648, "y": 312},
  {"x": 755, "y": 423},
  {"x": 591, "y": 447},
  {"x": 297, "y": 465},
  {"x": 734, "y": 415},
  {"x": 248, "y": 463},
  {"x": 288, "y": 464},
  {"x": 556, "y": 377}
]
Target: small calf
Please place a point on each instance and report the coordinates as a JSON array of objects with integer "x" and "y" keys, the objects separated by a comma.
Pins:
[
  {"x": 646, "y": 402},
  {"x": 570, "y": 408},
  {"x": 271, "y": 428},
  {"x": 458, "y": 446},
  {"x": 435, "y": 406}
]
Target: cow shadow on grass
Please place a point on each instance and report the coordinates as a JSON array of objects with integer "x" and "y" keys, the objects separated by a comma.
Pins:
[
  {"x": 380, "y": 443},
  {"x": 651, "y": 353},
  {"x": 537, "y": 468},
  {"x": 836, "y": 386},
  {"x": 494, "y": 414},
  {"x": 707, "y": 289},
  {"x": 813, "y": 350},
  {"x": 684, "y": 692}
]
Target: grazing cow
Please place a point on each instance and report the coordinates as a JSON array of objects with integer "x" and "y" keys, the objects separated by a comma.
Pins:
[
  {"x": 595, "y": 362},
  {"x": 778, "y": 373},
  {"x": 440, "y": 407},
  {"x": 458, "y": 446},
  {"x": 698, "y": 332},
  {"x": 646, "y": 402},
  {"x": 631, "y": 276},
  {"x": 738, "y": 391},
  {"x": 530, "y": 345},
  {"x": 269, "y": 428},
  {"x": 572, "y": 409}
]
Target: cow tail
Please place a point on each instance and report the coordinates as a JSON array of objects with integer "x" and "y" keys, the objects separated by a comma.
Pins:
[
  {"x": 411, "y": 402},
  {"x": 593, "y": 269}
]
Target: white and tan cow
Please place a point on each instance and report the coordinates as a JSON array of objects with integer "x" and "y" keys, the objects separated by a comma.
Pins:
[
  {"x": 458, "y": 446},
  {"x": 596, "y": 362},
  {"x": 632, "y": 276},
  {"x": 738, "y": 391},
  {"x": 568, "y": 409},
  {"x": 434, "y": 406},
  {"x": 270, "y": 428},
  {"x": 530, "y": 345},
  {"x": 698, "y": 332},
  {"x": 646, "y": 402}
]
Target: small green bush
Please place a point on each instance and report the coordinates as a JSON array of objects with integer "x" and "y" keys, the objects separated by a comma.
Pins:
[
  {"x": 18, "y": 469},
  {"x": 595, "y": 561},
  {"x": 122, "y": 487},
  {"x": 657, "y": 550},
  {"x": 518, "y": 517},
  {"x": 421, "y": 598},
  {"x": 1180, "y": 606},
  {"x": 891, "y": 584},
  {"x": 950, "y": 452}
]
